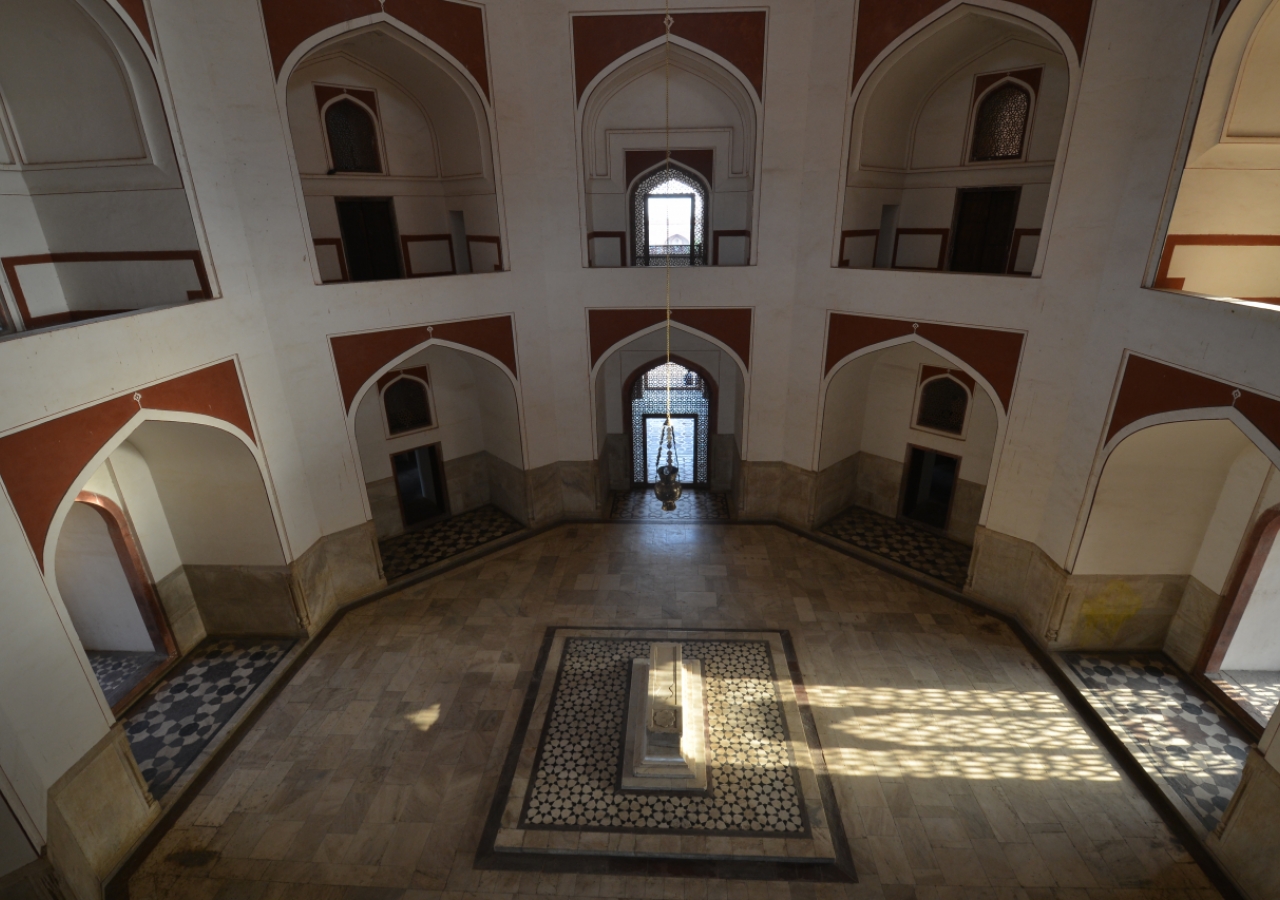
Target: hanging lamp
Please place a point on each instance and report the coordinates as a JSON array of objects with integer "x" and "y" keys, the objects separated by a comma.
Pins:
[{"x": 668, "y": 488}]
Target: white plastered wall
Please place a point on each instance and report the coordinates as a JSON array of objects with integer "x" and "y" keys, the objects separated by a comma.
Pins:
[{"x": 94, "y": 586}]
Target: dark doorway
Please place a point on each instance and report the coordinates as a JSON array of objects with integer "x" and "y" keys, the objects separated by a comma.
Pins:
[
  {"x": 369, "y": 238},
  {"x": 931, "y": 481},
  {"x": 420, "y": 485},
  {"x": 984, "y": 229}
]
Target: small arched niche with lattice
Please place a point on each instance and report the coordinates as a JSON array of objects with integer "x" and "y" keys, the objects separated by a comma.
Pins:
[
  {"x": 1000, "y": 126},
  {"x": 353, "y": 137},
  {"x": 943, "y": 405},
  {"x": 406, "y": 403}
]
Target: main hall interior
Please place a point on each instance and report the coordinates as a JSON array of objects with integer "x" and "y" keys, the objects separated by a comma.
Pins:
[{"x": 507, "y": 448}]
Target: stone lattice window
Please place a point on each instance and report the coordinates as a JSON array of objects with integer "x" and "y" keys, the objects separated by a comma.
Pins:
[
  {"x": 1001, "y": 124},
  {"x": 943, "y": 403},
  {"x": 691, "y": 418},
  {"x": 669, "y": 210},
  {"x": 407, "y": 405},
  {"x": 353, "y": 138}
]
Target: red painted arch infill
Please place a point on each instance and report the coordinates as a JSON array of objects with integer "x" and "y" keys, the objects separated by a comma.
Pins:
[
  {"x": 358, "y": 356},
  {"x": 881, "y": 23},
  {"x": 732, "y": 325},
  {"x": 457, "y": 27},
  {"x": 39, "y": 464},
  {"x": 138, "y": 13},
  {"x": 993, "y": 353},
  {"x": 738, "y": 37},
  {"x": 1149, "y": 388}
]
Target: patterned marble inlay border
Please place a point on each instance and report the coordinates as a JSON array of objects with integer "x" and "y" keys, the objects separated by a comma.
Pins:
[{"x": 769, "y": 813}]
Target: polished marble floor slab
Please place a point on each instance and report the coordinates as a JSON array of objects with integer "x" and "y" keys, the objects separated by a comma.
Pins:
[
  {"x": 694, "y": 503},
  {"x": 187, "y": 710},
  {"x": 1258, "y": 693},
  {"x": 1177, "y": 734},
  {"x": 423, "y": 547},
  {"x": 960, "y": 771},
  {"x": 902, "y": 542},
  {"x": 120, "y": 671}
]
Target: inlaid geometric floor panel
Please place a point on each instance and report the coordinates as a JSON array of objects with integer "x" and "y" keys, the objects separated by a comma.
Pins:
[
  {"x": 119, "y": 671},
  {"x": 767, "y": 809},
  {"x": 1176, "y": 734},
  {"x": 960, "y": 770},
  {"x": 899, "y": 541},
  {"x": 186, "y": 710},
  {"x": 1257, "y": 692},
  {"x": 418, "y": 549},
  {"x": 693, "y": 504}
]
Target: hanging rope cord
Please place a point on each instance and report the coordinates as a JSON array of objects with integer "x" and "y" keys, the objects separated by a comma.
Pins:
[{"x": 667, "y": 22}]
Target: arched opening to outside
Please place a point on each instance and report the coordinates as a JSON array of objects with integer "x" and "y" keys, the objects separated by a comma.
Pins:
[
  {"x": 394, "y": 152},
  {"x": 1223, "y": 238},
  {"x": 905, "y": 455},
  {"x": 439, "y": 442},
  {"x": 690, "y": 409},
  {"x": 708, "y": 412},
  {"x": 954, "y": 144},
  {"x": 86, "y": 139},
  {"x": 668, "y": 216},
  {"x": 713, "y": 118}
]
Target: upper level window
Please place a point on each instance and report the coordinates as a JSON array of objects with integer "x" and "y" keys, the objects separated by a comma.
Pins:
[
  {"x": 353, "y": 137},
  {"x": 407, "y": 406},
  {"x": 943, "y": 403},
  {"x": 1001, "y": 124},
  {"x": 669, "y": 211}
]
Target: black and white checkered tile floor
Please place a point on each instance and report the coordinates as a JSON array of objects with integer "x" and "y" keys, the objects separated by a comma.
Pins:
[
  {"x": 120, "y": 671},
  {"x": 693, "y": 504},
  {"x": 903, "y": 543},
  {"x": 418, "y": 549},
  {"x": 1175, "y": 733},
  {"x": 174, "y": 724}
]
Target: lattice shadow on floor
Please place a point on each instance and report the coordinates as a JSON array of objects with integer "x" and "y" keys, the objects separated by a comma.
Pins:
[
  {"x": 913, "y": 547},
  {"x": 418, "y": 549},
  {"x": 693, "y": 504}
]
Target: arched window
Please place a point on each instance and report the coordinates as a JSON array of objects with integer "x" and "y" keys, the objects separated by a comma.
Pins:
[
  {"x": 690, "y": 416},
  {"x": 353, "y": 138},
  {"x": 669, "y": 209},
  {"x": 1001, "y": 124},
  {"x": 943, "y": 403},
  {"x": 407, "y": 406}
]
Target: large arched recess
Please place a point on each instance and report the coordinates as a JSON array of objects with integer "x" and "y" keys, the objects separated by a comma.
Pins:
[
  {"x": 613, "y": 373},
  {"x": 898, "y": 193},
  {"x": 437, "y": 139},
  {"x": 99, "y": 218},
  {"x": 1221, "y": 223},
  {"x": 717, "y": 115},
  {"x": 466, "y": 384},
  {"x": 206, "y": 522},
  {"x": 1160, "y": 538},
  {"x": 847, "y": 382}
]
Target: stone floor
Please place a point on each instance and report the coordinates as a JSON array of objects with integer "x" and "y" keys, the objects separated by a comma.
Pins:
[
  {"x": 422, "y": 547},
  {"x": 184, "y": 712},
  {"x": 903, "y": 543},
  {"x": 120, "y": 671},
  {"x": 960, "y": 770},
  {"x": 1176, "y": 734},
  {"x": 693, "y": 504},
  {"x": 1257, "y": 692}
]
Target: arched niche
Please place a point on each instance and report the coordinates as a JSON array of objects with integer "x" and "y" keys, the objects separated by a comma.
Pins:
[
  {"x": 1167, "y": 520},
  {"x": 473, "y": 440},
  {"x": 715, "y": 133},
  {"x": 913, "y": 186},
  {"x": 871, "y": 423},
  {"x": 1223, "y": 236},
  {"x": 189, "y": 502},
  {"x": 96, "y": 217},
  {"x": 613, "y": 380},
  {"x": 432, "y": 208}
]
